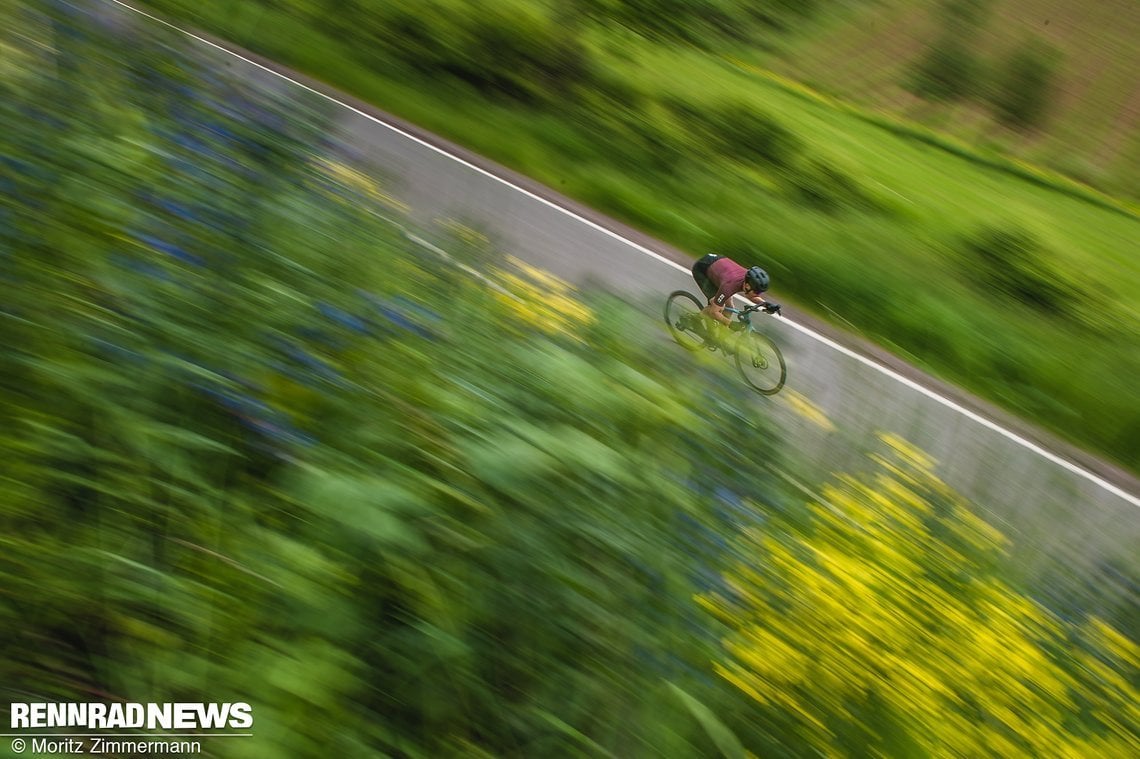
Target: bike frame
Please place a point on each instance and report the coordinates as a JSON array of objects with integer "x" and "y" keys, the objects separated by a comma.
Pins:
[
  {"x": 744, "y": 315},
  {"x": 769, "y": 361}
]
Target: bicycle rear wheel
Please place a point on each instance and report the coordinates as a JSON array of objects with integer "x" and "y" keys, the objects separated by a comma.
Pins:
[
  {"x": 760, "y": 363},
  {"x": 682, "y": 311}
]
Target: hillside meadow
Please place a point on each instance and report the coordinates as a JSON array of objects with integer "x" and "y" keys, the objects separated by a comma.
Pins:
[{"x": 865, "y": 52}]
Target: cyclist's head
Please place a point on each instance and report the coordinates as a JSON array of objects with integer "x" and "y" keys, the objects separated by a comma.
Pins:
[{"x": 757, "y": 279}]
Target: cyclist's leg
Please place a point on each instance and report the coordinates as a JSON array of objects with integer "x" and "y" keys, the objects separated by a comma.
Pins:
[
  {"x": 700, "y": 274},
  {"x": 705, "y": 326}
]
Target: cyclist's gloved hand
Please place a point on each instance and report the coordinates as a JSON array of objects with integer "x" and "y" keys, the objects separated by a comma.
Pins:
[{"x": 772, "y": 308}]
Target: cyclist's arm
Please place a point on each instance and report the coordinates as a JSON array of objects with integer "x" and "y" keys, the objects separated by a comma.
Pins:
[
  {"x": 716, "y": 312},
  {"x": 717, "y": 303}
]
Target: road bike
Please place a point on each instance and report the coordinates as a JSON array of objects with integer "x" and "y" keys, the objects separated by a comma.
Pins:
[{"x": 758, "y": 359}]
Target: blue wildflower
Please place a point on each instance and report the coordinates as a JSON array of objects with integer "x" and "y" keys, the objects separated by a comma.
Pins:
[
  {"x": 342, "y": 317},
  {"x": 188, "y": 142},
  {"x": 651, "y": 661},
  {"x": 170, "y": 249},
  {"x": 208, "y": 179},
  {"x": 270, "y": 120},
  {"x": 256, "y": 415},
  {"x": 724, "y": 516},
  {"x": 184, "y": 212},
  {"x": 282, "y": 433},
  {"x": 17, "y": 165},
  {"x": 286, "y": 370},
  {"x": 195, "y": 213},
  {"x": 183, "y": 92},
  {"x": 686, "y": 520},
  {"x": 321, "y": 337},
  {"x": 403, "y": 322},
  {"x": 726, "y": 495},
  {"x": 141, "y": 267},
  {"x": 225, "y": 108},
  {"x": 706, "y": 578},
  {"x": 225, "y": 134},
  {"x": 309, "y": 361}
]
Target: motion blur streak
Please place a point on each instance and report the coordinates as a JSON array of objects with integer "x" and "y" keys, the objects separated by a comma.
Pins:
[
  {"x": 1035, "y": 448},
  {"x": 272, "y": 437}
]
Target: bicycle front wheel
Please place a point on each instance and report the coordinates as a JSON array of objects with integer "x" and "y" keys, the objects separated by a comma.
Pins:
[
  {"x": 760, "y": 363},
  {"x": 682, "y": 311}
]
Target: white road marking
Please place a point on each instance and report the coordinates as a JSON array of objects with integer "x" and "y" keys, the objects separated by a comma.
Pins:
[
  {"x": 1029, "y": 445},
  {"x": 1064, "y": 463}
]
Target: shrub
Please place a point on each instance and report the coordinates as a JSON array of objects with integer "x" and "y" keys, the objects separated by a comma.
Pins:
[
  {"x": 823, "y": 185},
  {"x": 630, "y": 131},
  {"x": 739, "y": 131},
  {"x": 518, "y": 50},
  {"x": 950, "y": 69},
  {"x": 1013, "y": 262},
  {"x": 748, "y": 134},
  {"x": 1024, "y": 84}
]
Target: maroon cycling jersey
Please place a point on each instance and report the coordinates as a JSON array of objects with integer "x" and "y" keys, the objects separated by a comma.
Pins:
[{"x": 728, "y": 276}]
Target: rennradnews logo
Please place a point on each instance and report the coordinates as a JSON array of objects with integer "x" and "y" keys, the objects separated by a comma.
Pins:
[{"x": 96, "y": 716}]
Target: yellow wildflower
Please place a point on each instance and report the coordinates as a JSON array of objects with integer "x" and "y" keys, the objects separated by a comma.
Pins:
[{"x": 542, "y": 300}]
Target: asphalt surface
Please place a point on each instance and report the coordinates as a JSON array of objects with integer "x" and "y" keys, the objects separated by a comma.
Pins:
[{"x": 1061, "y": 506}]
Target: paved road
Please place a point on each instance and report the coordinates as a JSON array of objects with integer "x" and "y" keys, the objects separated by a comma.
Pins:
[{"x": 1056, "y": 510}]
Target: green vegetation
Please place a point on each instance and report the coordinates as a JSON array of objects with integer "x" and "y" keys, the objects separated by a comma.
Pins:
[
  {"x": 868, "y": 54},
  {"x": 1012, "y": 262},
  {"x": 888, "y": 615},
  {"x": 1024, "y": 88},
  {"x": 860, "y": 217},
  {"x": 950, "y": 69},
  {"x": 245, "y": 461}
]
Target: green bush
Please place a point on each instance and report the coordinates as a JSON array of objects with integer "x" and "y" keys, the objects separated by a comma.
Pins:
[
  {"x": 1014, "y": 263},
  {"x": 820, "y": 184},
  {"x": 523, "y": 51},
  {"x": 1024, "y": 84},
  {"x": 950, "y": 69},
  {"x": 630, "y": 132},
  {"x": 747, "y": 134},
  {"x": 739, "y": 131}
]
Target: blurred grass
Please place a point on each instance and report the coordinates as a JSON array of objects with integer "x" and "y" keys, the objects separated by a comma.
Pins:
[{"x": 867, "y": 225}]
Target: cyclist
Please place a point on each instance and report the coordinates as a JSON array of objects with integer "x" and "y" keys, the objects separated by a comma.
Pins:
[{"x": 719, "y": 279}]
